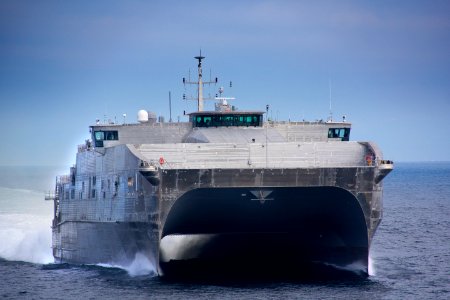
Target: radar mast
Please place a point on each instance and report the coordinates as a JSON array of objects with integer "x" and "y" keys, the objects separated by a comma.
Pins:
[{"x": 199, "y": 82}]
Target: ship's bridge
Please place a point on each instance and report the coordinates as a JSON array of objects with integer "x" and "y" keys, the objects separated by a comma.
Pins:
[{"x": 226, "y": 118}]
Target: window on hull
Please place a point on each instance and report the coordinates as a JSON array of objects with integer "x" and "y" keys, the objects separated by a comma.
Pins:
[
  {"x": 227, "y": 120},
  {"x": 340, "y": 133},
  {"x": 100, "y": 136}
]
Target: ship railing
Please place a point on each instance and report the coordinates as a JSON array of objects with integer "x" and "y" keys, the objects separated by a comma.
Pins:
[
  {"x": 63, "y": 179},
  {"x": 87, "y": 146},
  {"x": 164, "y": 124},
  {"x": 377, "y": 162},
  {"x": 386, "y": 162},
  {"x": 373, "y": 155},
  {"x": 148, "y": 166},
  {"x": 60, "y": 180},
  {"x": 50, "y": 196}
]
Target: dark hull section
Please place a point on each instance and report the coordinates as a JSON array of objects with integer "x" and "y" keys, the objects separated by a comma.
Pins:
[{"x": 282, "y": 230}]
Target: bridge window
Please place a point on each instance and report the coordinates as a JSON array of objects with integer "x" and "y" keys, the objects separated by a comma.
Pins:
[
  {"x": 227, "y": 120},
  {"x": 340, "y": 133},
  {"x": 100, "y": 136}
]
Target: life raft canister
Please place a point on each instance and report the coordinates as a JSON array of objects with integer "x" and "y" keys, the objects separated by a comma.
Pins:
[{"x": 161, "y": 160}]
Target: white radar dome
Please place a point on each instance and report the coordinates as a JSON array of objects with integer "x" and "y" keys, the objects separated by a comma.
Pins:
[{"x": 142, "y": 116}]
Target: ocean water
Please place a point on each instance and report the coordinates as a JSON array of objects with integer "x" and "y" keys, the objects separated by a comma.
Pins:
[{"x": 409, "y": 259}]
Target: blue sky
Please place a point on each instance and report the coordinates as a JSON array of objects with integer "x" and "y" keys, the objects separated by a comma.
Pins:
[{"x": 64, "y": 64}]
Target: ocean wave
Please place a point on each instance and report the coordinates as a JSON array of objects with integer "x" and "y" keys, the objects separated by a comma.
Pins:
[
  {"x": 26, "y": 238},
  {"x": 140, "y": 266}
]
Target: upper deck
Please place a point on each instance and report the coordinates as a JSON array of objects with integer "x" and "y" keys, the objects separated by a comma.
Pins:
[{"x": 208, "y": 127}]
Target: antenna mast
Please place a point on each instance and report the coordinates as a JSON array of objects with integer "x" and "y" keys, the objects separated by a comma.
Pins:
[
  {"x": 170, "y": 108},
  {"x": 200, "y": 82},
  {"x": 330, "y": 118}
]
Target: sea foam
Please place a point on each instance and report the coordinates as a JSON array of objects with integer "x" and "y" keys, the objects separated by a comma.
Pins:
[
  {"x": 25, "y": 238},
  {"x": 25, "y": 220},
  {"x": 140, "y": 266}
]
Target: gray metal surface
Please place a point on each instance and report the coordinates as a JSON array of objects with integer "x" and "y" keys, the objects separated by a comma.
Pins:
[
  {"x": 254, "y": 155},
  {"x": 108, "y": 210},
  {"x": 160, "y": 133}
]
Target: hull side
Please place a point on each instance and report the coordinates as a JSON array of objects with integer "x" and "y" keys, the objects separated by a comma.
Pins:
[{"x": 115, "y": 243}]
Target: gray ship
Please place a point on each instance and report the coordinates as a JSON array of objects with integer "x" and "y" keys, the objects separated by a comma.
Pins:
[{"x": 228, "y": 191}]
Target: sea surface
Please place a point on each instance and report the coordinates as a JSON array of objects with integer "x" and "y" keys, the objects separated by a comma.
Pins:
[{"x": 409, "y": 258}]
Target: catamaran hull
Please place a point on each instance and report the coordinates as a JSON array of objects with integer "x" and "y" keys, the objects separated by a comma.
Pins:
[
  {"x": 219, "y": 219},
  {"x": 279, "y": 230}
]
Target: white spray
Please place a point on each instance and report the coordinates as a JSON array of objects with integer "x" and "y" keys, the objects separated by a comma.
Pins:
[
  {"x": 371, "y": 267},
  {"x": 25, "y": 232},
  {"x": 140, "y": 266}
]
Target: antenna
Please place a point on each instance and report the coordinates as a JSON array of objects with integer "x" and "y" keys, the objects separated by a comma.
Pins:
[
  {"x": 330, "y": 118},
  {"x": 170, "y": 108},
  {"x": 267, "y": 126},
  {"x": 200, "y": 82}
]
